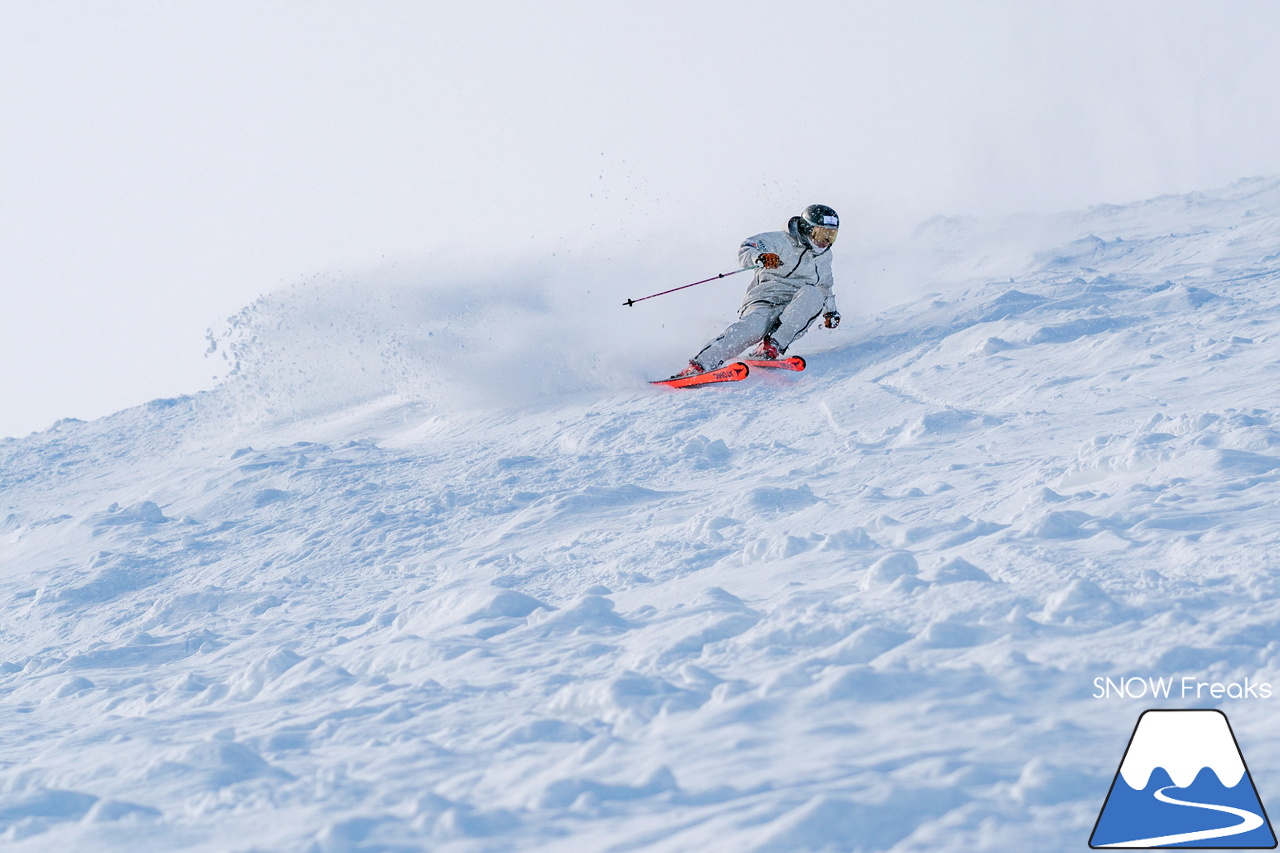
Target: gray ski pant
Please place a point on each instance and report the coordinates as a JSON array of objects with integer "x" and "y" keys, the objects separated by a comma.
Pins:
[{"x": 783, "y": 323}]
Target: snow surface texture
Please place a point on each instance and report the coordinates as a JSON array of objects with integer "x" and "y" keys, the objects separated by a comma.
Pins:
[{"x": 855, "y": 609}]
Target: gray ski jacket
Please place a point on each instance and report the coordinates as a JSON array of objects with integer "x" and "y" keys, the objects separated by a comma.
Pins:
[{"x": 801, "y": 265}]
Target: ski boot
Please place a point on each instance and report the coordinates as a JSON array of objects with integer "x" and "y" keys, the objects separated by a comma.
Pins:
[
  {"x": 692, "y": 370},
  {"x": 767, "y": 351}
]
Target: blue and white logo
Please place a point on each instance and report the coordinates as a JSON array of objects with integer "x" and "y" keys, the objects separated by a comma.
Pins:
[{"x": 1183, "y": 783}]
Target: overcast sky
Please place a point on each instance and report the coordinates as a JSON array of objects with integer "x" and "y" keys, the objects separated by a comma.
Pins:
[{"x": 163, "y": 164}]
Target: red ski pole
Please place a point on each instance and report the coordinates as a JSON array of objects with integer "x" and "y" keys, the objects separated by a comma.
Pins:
[{"x": 631, "y": 302}]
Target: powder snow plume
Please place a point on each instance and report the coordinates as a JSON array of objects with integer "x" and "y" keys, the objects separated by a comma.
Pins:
[{"x": 449, "y": 339}]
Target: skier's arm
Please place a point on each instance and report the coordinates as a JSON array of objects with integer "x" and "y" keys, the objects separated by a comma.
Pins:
[
  {"x": 752, "y": 248},
  {"x": 830, "y": 313}
]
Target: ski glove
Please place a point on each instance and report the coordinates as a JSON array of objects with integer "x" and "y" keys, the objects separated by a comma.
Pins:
[
  {"x": 831, "y": 319},
  {"x": 769, "y": 261}
]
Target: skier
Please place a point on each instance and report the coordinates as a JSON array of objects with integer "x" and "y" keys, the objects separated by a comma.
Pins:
[{"x": 791, "y": 289}]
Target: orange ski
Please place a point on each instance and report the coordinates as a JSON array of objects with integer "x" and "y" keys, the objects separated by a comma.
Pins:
[
  {"x": 729, "y": 373},
  {"x": 794, "y": 362}
]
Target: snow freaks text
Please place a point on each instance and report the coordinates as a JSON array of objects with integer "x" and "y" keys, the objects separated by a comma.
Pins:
[{"x": 1178, "y": 687}]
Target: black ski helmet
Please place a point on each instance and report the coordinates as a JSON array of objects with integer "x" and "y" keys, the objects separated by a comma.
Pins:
[
  {"x": 815, "y": 216},
  {"x": 819, "y": 215}
]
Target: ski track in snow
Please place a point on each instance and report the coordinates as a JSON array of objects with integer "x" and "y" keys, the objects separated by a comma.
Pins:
[{"x": 858, "y": 608}]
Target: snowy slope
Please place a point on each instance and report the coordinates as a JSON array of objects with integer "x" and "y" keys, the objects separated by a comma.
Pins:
[{"x": 860, "y": 608}]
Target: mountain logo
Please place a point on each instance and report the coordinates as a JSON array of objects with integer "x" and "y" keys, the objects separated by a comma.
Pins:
[{"x": 1183, "y": 783}]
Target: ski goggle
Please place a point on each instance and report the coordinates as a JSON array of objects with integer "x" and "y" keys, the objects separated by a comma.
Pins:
[{"x": 823, "y": 236}]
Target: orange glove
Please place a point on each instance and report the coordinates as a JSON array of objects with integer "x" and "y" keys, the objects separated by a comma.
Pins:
[
  {"x": 769, "y": 261},
  {"x": 831, "y": 320}
]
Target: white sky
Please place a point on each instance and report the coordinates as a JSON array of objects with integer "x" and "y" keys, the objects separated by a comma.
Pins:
[{"x": 163, "y": 164}]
